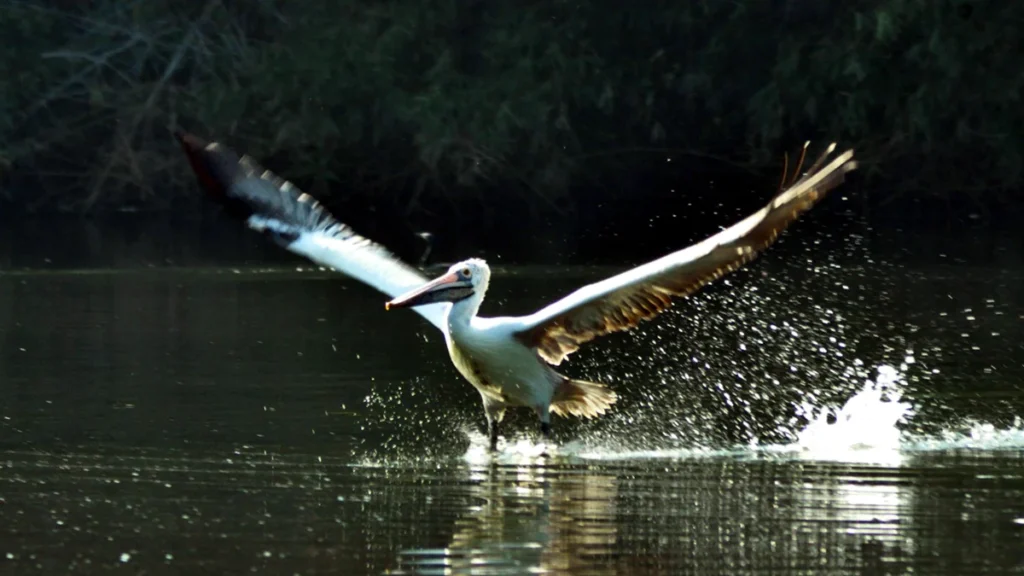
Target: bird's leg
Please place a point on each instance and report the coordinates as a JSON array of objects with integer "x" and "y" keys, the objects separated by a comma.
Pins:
[
  {"x": 544, "y": 412},
  {"x": 492, "y": 428},
  {"x": 495, "y": 412}
]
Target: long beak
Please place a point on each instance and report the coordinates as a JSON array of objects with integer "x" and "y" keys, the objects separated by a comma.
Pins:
[{"x": 447, "y": 288}]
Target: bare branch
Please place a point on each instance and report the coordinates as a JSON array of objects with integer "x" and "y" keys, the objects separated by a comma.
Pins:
[{"x": 172, "y": 66}]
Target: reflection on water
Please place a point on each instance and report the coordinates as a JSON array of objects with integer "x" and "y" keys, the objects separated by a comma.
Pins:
[
  {"x": 527, "y": 519},
  {"x": 237, "y": 512},
  {"x": 225, "y": 422}
]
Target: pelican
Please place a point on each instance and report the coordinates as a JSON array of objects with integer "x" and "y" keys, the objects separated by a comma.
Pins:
[{"x": 510, "y": 360}]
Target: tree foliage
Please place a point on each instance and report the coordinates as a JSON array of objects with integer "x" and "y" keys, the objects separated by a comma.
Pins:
[{"x": 452, "y": 98}]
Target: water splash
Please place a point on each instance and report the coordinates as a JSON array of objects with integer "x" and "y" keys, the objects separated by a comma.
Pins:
[
  {"x": 866, "y": 429},
  {"x": 520, "y": 451},
  {"x": 973, "y": 435},
  {"x": 794, "y": 358},
  {"x": 873, "y": 426},
  {"x": 867, "y": 422}
]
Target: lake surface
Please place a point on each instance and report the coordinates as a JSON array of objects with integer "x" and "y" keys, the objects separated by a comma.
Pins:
[{"x": 229, "y": 419}]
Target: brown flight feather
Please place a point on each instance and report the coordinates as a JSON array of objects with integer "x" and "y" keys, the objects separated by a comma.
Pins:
[{"x": 623, "y": 301}]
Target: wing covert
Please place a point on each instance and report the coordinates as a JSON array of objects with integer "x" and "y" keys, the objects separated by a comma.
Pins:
[{"x": 622, "y": 301}]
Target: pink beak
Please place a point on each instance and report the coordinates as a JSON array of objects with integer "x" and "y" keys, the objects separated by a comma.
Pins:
[{"x": 447, "y": 288}]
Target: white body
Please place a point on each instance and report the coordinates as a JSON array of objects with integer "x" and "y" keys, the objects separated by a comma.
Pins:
[{"x": 505, "y": 372}]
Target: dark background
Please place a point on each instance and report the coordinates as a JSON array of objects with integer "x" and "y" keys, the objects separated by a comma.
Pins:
[{"x": 516, "y": 127}]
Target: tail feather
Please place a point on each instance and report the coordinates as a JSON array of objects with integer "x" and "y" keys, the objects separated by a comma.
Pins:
[
  {"x": 581, "y": 398},
  {"x": 256, "y": 195}
]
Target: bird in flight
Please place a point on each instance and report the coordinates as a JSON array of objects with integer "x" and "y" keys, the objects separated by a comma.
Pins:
[{"x": 510, "y": 360}]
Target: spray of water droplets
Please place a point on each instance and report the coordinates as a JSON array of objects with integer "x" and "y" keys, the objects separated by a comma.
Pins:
[{"x": 810, "y": 351}]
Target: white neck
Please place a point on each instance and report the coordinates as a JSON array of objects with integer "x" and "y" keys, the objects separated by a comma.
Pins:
[{"x": 462, "y": 312}]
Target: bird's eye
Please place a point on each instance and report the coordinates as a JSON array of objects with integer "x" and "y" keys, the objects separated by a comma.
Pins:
[{"x": 467, "y": 272}]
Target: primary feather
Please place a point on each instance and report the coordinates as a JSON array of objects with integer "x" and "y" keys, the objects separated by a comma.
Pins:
[
  {"x": 296, "y": 221},
  {"x": 623, "y": 301}
]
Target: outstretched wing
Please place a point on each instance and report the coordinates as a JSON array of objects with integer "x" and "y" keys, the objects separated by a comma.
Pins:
[
  {"x": 298, "y": 222},
  {"x": 623, "y": 301}
]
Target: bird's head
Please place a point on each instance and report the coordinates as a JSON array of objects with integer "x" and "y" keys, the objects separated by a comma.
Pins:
[{"x": 463, "y": 280}]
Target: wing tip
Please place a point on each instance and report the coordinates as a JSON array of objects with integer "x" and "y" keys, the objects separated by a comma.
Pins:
[
  {"x": 200, "y": 148},
  {"x": 199, "y": 160},
  {"x": 217, "y": 168},
  {"x": 188, "y": 139}
]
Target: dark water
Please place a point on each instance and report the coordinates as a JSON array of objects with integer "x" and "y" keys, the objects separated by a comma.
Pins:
[{"x": 227, "y": 421}]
